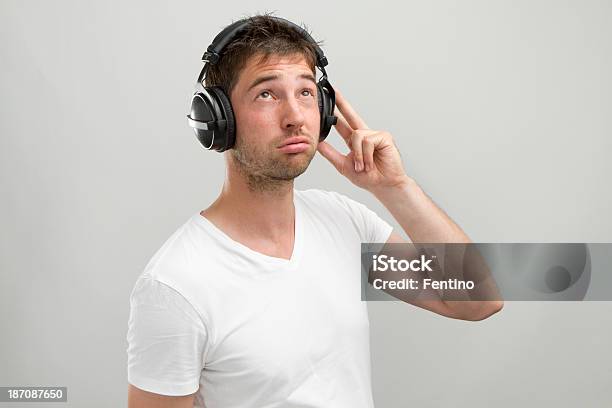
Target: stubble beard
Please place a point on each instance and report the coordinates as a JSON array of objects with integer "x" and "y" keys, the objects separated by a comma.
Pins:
[{"x": 266, "y": 170}]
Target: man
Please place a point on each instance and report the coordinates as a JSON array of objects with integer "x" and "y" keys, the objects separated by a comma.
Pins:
[{"x": 255, "y": 301}]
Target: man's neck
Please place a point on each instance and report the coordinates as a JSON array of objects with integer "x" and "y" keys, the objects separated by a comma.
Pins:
[{"x": 266, "y": 214}]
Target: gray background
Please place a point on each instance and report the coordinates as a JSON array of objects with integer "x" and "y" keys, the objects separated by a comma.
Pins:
[{"x": 501, "y": 111}]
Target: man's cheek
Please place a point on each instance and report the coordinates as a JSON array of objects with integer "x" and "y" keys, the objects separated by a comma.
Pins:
[{"x": 315, "y": 120}]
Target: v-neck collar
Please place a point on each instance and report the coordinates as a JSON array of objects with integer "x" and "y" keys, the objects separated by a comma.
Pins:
[{"x": 270, "y": 260}]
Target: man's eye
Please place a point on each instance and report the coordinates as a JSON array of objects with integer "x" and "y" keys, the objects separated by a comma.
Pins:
[
  {"x": 310, "y": 93},
  {"x": 265, "y": 93}
]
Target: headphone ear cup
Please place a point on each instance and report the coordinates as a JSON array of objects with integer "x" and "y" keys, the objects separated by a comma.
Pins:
[
  {"x": 204, "y": 108},
  {"x": 229, "y": 135},
  {"x": 326, "y": 109}
]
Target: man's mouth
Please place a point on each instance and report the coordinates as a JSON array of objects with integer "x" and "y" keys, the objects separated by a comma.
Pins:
[{"x": 296, "y": 144}]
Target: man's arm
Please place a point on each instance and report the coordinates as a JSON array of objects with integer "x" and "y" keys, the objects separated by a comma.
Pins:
[
  {"x": 459, "y": 309},
  {"x": 421, "y": 219},
  {"x": 424, "y": 222},
  {"x": 374, "y": 164},
  {"x": 138, "y": 398},
  {"x": 166, "y": 341}
]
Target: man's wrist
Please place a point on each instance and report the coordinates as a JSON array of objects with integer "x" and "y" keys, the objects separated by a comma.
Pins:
[{"x": 405, "y": 185}]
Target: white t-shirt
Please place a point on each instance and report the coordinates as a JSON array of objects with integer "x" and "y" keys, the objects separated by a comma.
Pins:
[{"x": 244, "y": 329}]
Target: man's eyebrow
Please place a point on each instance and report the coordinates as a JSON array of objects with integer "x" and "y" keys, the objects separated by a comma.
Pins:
[{"x": 273, "y": 77}]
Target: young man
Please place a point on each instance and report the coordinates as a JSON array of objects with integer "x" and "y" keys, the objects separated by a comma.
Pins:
[{"x": 255, "y": 301}]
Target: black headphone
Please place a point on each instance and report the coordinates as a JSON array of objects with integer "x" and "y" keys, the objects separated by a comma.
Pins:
[{"x": 211, "y": 115}]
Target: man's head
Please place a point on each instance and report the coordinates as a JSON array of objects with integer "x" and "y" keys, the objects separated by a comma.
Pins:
[{"x": 268, "y": 72}]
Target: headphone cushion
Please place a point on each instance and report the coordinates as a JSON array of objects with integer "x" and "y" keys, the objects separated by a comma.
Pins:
[
  {"x": 326, "y": 110},
  {"x": 228, "y": 113},
  {"x": 322, "y": 109},
  {"x": 320, "y": 98}
]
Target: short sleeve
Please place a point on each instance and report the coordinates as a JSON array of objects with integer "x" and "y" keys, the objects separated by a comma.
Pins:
[
  {"x": 371, "y": 227},
  {"x": 166, "y": 340}
]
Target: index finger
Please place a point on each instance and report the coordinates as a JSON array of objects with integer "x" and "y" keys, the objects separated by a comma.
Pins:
[
  {"x": 353, "y": 119},
  {"x": 343, "y": 128}
]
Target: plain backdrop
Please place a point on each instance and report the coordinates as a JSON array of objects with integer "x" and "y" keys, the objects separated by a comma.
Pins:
[{"x": 501, "y": 111}]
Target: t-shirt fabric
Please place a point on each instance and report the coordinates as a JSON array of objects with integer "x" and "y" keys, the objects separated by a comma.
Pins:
[{"x": 243, "y": 329}]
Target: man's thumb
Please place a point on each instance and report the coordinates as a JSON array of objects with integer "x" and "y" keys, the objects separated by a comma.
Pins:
[{"x": 332, "y": 155}]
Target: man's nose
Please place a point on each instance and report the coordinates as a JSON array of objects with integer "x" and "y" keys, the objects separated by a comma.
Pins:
[{"x": 293, "y": 115}]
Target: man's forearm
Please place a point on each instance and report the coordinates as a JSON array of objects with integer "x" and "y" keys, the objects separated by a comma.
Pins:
[
  {"x": 419, "y": 216},
  {"x": 424, "y": 222}
]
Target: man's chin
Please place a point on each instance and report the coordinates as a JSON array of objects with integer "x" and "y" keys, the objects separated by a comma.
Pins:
[
  {"x": 293, "y": 170},
  {"x": 299, "y": 161}
]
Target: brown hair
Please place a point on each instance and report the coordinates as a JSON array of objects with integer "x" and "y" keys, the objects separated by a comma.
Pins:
[{"x": 265, "y": 36}]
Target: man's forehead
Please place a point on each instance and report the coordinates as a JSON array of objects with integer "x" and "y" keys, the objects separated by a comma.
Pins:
[{"x": 278, "y": 64}]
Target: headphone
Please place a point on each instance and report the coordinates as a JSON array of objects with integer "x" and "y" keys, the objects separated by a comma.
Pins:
[{"x": 211, "y": 114}]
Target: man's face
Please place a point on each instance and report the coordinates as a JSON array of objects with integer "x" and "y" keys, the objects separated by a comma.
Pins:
[{"x": 274, "y": 102}]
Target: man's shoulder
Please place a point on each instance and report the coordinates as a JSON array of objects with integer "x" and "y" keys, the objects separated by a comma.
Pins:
[{"x": 178, "y": 253}]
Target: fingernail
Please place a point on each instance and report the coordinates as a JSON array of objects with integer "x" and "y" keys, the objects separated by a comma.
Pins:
[{"x": 356, "y": 168}]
